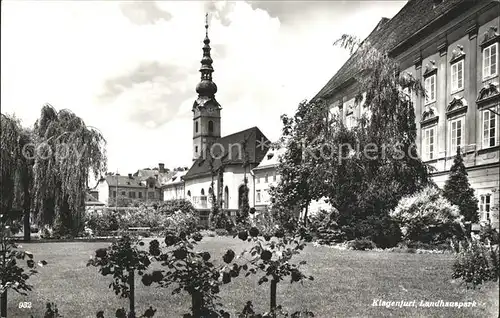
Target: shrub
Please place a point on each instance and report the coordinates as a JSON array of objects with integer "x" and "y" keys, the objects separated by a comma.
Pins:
[
  {"x": 488, "y": 233},
  {"x": 110, "y": 220},
  {"x": 426, "y": 246},
  {"x": 265, "y": 222},
  {"x": 383, "y": 231},
  {"x": 144, "y": 216},
  {"x": 51, "y": 311},
  {"x": 181, "y": 221},
  {"x": 361, "y": 244},
  {"x": 171, "y": 206},
  {"x": 102, "y": 223},
  {"x": 476, "y": 264},
  {"x": 324, "y": 227},
  {"x": 428, "y": 217},
  {"x": 221, "y": 232},
  {"x": 322, "y": 219}
]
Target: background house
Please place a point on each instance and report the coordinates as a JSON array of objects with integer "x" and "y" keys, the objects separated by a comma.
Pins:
[
  {"x": 265, "y": 176},
  {"x": 145, "y": 185},
  {"x": 173, "y": 189}
]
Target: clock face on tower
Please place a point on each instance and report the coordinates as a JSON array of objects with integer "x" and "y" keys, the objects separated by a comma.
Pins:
[{"x": 211, "y": 110}]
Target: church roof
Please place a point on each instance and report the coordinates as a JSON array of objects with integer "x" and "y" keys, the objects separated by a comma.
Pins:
[
  {"x": 389, "y": 34},
  {"x": 230, "y": 150}
]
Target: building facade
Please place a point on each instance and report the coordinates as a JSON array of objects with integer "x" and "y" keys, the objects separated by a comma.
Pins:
[
  {"x": 265, "y": 176},
  {"x": 173, "y": 189},
  {"x": 452, "y": 47},
  {"x": 128, "y": 187}
]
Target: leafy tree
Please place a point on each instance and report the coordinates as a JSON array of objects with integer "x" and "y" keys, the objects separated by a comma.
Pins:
[
  {"x": 365, "y": 170},
  {"x": 124, "y": 259},
  {"x": 189, "y": 270},
  {"x": 68, "y": 150},
  {"x": 302, "y": 176},
  {"x": 12, "y": 275},
  {"x": 458, "y": 191},
  {"x": 270, "y": 258}
]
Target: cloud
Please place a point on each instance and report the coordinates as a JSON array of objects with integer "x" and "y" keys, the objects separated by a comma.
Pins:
[
  {"x": 130, "y": 69},
  {"x": 144, "y": 12},
  {"x": 220, "y": 10}
]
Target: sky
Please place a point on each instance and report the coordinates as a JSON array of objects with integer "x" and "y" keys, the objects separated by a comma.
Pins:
[{"x": 129, "y": 69}]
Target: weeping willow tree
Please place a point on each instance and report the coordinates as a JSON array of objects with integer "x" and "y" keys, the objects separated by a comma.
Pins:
[
  {"x": 67, "y": 151},
  {"x": 16, "y": 181}
]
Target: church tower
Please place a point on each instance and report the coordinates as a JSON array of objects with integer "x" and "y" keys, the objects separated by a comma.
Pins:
[{"x": 206, "y": 109}]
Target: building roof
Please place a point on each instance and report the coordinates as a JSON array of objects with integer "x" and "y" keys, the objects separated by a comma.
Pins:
[
  {"x": 89, "y": 197},
  {"x": 388, "y": 34},
  {"x": 162, "y": 177},
  {"x": 124, "y": 182},
  {"x": 90, "y": 200},
  {"x": 271, "y": 159},
  {"x": 228, "y": 152},
  {"x": 176, "y": 178}
]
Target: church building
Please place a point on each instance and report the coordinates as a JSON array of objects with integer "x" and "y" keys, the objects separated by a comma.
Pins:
[{"x": 220, "y": 164}]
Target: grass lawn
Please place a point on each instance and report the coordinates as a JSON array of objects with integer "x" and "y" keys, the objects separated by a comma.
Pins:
[{"x": 345, "y": 285}]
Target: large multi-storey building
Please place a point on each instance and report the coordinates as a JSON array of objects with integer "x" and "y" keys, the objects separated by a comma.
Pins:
[{"x": 452, "y": 47}]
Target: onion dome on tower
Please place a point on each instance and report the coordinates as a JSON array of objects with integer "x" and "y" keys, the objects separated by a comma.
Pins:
[{"x": 206, "y": 88}]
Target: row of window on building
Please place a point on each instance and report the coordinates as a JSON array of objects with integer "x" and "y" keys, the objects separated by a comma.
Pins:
[
  {"x": 266, "y": 178},
  {"x": 132, "y": 194},
  {"x": 456, "y": 132},
  {"x": 489, "y": 70}
]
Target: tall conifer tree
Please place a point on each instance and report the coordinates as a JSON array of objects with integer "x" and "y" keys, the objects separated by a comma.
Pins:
[{"x": 459, "y": 192}]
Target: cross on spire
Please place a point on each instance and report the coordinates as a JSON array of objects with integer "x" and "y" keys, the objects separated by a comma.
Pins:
[{"x": 206, "y": 24}]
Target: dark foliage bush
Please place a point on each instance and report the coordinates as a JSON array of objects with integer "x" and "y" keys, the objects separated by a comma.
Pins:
[
  {"x": 488, "y": 233},
  {"x": 477, "y": 263},
  {"x": 361, "y": 244},
  {"x": 383, "y": 231},
  {"x": 103, "y": 223},
  {"x": 51, "y": 311}
]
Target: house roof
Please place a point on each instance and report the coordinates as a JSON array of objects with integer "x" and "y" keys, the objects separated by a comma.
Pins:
[
  {"x": 162, "y": 177},
  {"x": 271, "y": 159},
  {"x": 90, "y": 200},
  {"x": 89, "y": 197},
  {"x": 388, "y": 34},
  {"x": 176, "y": 178},
  {"x": 124, "y": 182},
  {"x": 228, "y": 152}
]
